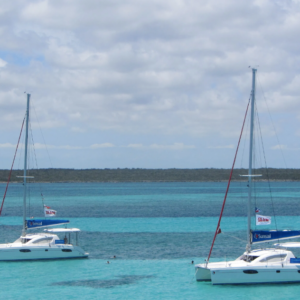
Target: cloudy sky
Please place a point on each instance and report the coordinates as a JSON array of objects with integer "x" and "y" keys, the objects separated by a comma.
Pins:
[{"x": 149, "y": 84}]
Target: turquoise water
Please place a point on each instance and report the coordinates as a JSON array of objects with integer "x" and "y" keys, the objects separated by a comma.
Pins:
[
  {"x": 130, "y": 279},
  {"x": 203, "y": 224},
  {"x": 154, "y": 229}
]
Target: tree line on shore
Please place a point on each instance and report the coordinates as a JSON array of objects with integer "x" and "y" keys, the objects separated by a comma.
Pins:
[{"x": 155, "y": 175}]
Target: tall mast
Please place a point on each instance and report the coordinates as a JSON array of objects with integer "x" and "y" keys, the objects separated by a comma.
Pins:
[
  {"x": 25, "y": 167},
  {"x": 250, "y": 161}
]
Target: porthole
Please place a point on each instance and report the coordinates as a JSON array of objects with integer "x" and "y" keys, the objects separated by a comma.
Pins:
[{"x": 250, "y": 271}]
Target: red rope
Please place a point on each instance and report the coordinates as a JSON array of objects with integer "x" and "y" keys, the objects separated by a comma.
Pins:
[
  {"x": 218, "y": 230},
  {"x": 11, "y": 168}
]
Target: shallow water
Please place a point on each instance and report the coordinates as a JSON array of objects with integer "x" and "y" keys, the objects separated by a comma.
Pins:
[{"x": 154, "y": 229}]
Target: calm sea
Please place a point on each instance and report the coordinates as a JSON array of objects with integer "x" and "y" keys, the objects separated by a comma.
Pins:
[{"x": 155, "y": 230}]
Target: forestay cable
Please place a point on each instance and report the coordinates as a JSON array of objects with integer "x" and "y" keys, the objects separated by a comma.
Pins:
[
  {"x": 218, "y": 229},
  {"x": 11, "y": 167}
]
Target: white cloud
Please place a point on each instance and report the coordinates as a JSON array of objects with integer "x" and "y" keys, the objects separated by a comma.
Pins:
[
  {"x": 77, "y": 129},
  {"x": 104, "y": 145},
  {"x": 3, "y": 63},
  {"x": 7, "y": 145},
  {"x": 148, "y": 68},
  {"x": 39, "y": 146},
  {"x": 68, "y": 147},
  {"x": 222, "y": 147},
  {"x": 279, "y": 147},
  {"x": 164, "y": 58},
  {"x": 175, "y": 146}
]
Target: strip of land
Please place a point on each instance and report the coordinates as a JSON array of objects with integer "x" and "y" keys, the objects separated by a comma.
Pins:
[{"x": 150, "y": 175}]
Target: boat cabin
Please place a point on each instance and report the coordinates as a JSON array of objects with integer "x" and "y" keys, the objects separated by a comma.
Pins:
[
  {"x": 67, "y": 233},
  {"x": 267, "y": 256},
  {"x": 50, "y": 237}
]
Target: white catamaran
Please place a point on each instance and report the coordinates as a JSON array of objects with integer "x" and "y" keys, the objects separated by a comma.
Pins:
[
  {"x": 271, "y": 265},
  {"x": 45, "y": 245}
]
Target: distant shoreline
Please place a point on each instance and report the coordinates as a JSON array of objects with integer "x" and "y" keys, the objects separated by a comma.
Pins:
[{"x": 149, "y": 175}]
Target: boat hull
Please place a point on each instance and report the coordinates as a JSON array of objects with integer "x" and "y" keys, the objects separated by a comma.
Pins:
[
  {"x": 223, "y": 273},
  {"x": 274, "y": 274},
  {"x": 202, "y": 273},
  {"x": 9, "y": 253}
]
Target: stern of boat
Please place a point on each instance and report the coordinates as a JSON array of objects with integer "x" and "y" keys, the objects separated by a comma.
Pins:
[
  {"x": 202, "y": 273},
  {"x": 80, "y": 252}
]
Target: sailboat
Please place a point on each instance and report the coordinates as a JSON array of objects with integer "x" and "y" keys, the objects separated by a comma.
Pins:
[
  {"x": 255, "y": 266},
  {"x": 44, "y": 245}
]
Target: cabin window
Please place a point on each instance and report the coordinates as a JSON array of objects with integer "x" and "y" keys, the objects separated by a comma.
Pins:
[
  {"x": 25, "y": 250},
  {"x": 66, "y": 250},
  {"x": 43, "y": 241},
  {"x": 25, "y": 240},
  {"x": 274, "y": 258},
  {"x": 248, "y": 258}
]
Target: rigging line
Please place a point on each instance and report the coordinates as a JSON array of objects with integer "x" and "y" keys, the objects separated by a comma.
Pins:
[
  {"x": 20, "y": 155},
  {"x": 267, "y": 172},
  {"x": 259, "y": 144},
  {"x": 36, "y": 165},
  {"x": 258, "y": 159},
  {"x": 256, "y": 152},
  {"x": 242, "y": 156},
  {"x": 264, "y": 97},
  {"x": 244, "y": 147},
  {"x": 225, "y": 197},
  {"x": 9, "y": 176},
  {"x": 254, "y": 160},
  {"x": 29, "y": 164},
  {"x": 43, "y": 137},
  {"x": 234, "y": 237}
]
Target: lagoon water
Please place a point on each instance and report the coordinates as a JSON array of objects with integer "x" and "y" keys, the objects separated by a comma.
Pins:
[{"x": 155, "y": 230}]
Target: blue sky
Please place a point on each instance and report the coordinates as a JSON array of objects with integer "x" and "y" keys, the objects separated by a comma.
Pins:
[{"x": 149, "y": 84}]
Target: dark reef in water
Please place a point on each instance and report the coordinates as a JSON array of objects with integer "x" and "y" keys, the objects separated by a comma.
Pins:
[{"x": 107, "y": 283}]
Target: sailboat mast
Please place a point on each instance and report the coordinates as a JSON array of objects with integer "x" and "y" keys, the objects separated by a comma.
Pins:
[
  {"x": 250, "y": 160},
  {"x": 25, "y": 167}
]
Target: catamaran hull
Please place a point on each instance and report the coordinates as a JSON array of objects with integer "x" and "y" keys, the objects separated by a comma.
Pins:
[
  {"x": 248, "y": 275},
  {"x": 202, "y": 273},
  {"x": 41, "y": 253},
  {"x": 255, "y": 276}
]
